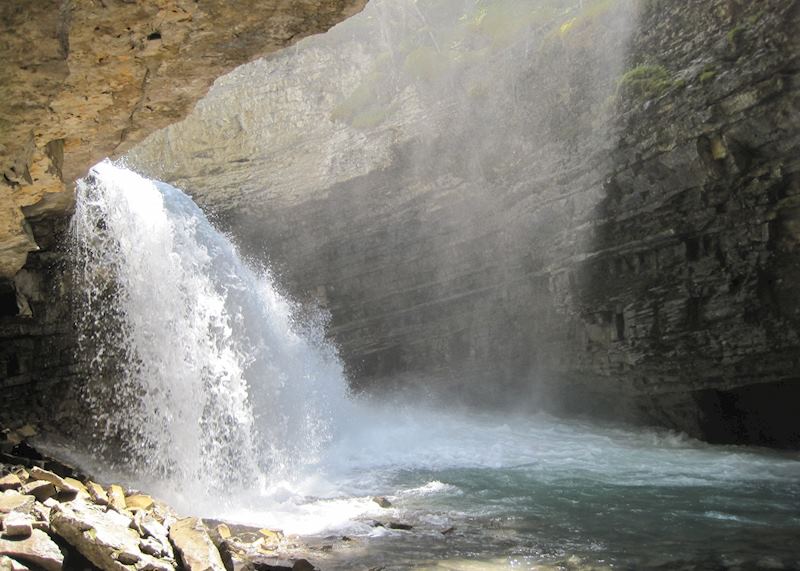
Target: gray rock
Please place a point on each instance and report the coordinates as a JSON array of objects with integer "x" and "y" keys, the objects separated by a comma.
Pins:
[
  {"x": 382, "y": 501},
  {"x": 194, "y": 546},
  {"x": 104, "y": 538},
  {"x": 37, "y": 549}
]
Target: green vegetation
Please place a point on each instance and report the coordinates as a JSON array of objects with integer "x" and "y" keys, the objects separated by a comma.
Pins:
[
  {"x": 708, "y": 75},
  {"x": 735, "y": 36},
  {"x": 646, "y": 81}
]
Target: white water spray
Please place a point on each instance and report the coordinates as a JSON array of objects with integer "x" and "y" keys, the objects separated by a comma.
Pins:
[{"x": 202, "y": 380}]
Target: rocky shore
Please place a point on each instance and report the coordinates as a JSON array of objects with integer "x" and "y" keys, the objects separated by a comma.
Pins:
[{"x": 55, "y": 518}]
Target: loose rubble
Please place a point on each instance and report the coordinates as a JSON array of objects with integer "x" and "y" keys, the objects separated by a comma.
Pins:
[{"x": 51, "y": 517}]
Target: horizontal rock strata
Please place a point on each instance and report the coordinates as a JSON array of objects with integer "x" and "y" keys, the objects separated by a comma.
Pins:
[{"x": 560, "y": 225}]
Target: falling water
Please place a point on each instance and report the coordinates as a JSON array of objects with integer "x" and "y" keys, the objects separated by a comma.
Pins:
[
  {"x": 201, "y": 376},
  {"x": 207, "y": 391}
]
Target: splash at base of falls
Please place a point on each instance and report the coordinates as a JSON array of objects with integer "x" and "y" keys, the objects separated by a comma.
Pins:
[
  {"x": 201, "y": 378},
  {"x": 207, "y": 392}
]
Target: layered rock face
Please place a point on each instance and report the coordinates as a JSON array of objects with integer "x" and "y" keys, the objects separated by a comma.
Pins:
[
  {"x": 588, "y": 207},
  {"x": 83, "y": 81},
  {"x": 86, "y": 80}
]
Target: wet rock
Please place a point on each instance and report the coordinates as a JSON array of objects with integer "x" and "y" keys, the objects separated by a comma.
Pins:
[
  {"x": 105, "y": 538},
  {"x": 382, "y": 501},
  {"x": 17, "y": 524},
  {"x": 37, "y": 549},
  {"x": 47, "y": 476},
  {"x": 10, "y": 482},
  {"x": 194, "y": 546},
  {"x": 15, "y": 502},
  {"x": 116, "y": 497},
  {"x": 40, "y": 489}
]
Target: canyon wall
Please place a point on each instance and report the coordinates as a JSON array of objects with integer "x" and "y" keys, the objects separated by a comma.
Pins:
[
  {"x": 588, "y": 207},
  {"x": 84, "y": 80}
]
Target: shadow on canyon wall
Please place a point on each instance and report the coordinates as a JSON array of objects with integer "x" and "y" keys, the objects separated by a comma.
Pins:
[
  {"x": 588, "y": 206},
  {"x": 583, "y": 206}
]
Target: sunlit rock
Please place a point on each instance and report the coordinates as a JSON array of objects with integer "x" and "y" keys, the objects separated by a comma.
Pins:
[
  {"x": 12, "y": 501},
  {"x": 17, "y": 524},
  {"x": 194, "y": 546},
  {"x": 104, "y": 537},
  {"x": 37, "y": 549}
]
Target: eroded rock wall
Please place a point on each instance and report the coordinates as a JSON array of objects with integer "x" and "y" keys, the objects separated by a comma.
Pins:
[
  {"x": 84, "y": 80},
  {"x": 598, "y": 215}
]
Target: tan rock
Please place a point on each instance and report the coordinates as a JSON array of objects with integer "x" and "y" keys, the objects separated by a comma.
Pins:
[
  {"x": 48, "y": 476},
  {"x": 156, "y": 536},
  {"x": 194, "y": 546},
  {"x": 224, "y": 531},
  {"x": 97, "y": 493},
  {"x": 77, "y": 484},
  {"x": 9, "y": 564},
  {"x": 153, "y": 59},
  {"x": 40, "y": 489},
  {"x": 139, "y": 502},
  {"x": 16, "y": 503},
  {"x": 37, "y": 549},
  {"x": 10, "y": 482},
  {"x": 104, "y": 537},
  {"x": 116, "y": 497},
  {"x": 27, "y": 431},
  {"x": 17, "y": 524}
]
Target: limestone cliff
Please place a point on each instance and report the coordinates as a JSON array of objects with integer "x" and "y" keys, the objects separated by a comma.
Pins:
[
  {"x": 589, "y": 205},
  {"x": 82, "y": 80},
  {"x": 86, "y": 79}
]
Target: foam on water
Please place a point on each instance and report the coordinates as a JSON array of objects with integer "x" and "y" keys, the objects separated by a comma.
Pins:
[
  {"x": 209, "y": 392},
  {"x": 202, "y": 378}
]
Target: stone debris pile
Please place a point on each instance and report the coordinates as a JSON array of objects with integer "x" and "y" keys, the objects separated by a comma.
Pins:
[{"x": 51, "y": 522}]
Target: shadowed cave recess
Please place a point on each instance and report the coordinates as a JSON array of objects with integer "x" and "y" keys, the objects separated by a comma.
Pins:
[{"x": 586, "y": 209}]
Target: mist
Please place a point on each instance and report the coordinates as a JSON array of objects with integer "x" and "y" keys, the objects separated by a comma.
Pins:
[{"x": 425, "y": 171}]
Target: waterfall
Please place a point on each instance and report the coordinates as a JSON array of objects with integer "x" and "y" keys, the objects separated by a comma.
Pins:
[{"x": 201, "y": 378}]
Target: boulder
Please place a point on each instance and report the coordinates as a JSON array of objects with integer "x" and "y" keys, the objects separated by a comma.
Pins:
[
  {"x": 10, "y": 482},
  {"x": 194, "y": 546},
  {"x": 97, "y": 493},
  {"x": 382, "y": 501},
  {"x": 105, "y": 538},
  {"x": 37, "y": 549},
  {"x": 40, "y": 489},
  {"x": 78, "y": 485},
  {"x": 155, "y": 536},
  {"x": 8, "y": 564},
  {"x": 17, "y": 524},
  {"x": 47, "y": 476},
  {"x": 16, "y": 502},
  {"x": 116, "y": 497},
  {"x": 139, "y": 502}
]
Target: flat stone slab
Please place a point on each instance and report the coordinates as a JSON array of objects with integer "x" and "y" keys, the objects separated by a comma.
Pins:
[
  {"x": 37, "y": 549},
  {"x": 104, "y": 537}
]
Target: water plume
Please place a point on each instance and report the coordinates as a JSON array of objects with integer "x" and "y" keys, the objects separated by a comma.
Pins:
[{"x": 200, "y": 376}]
